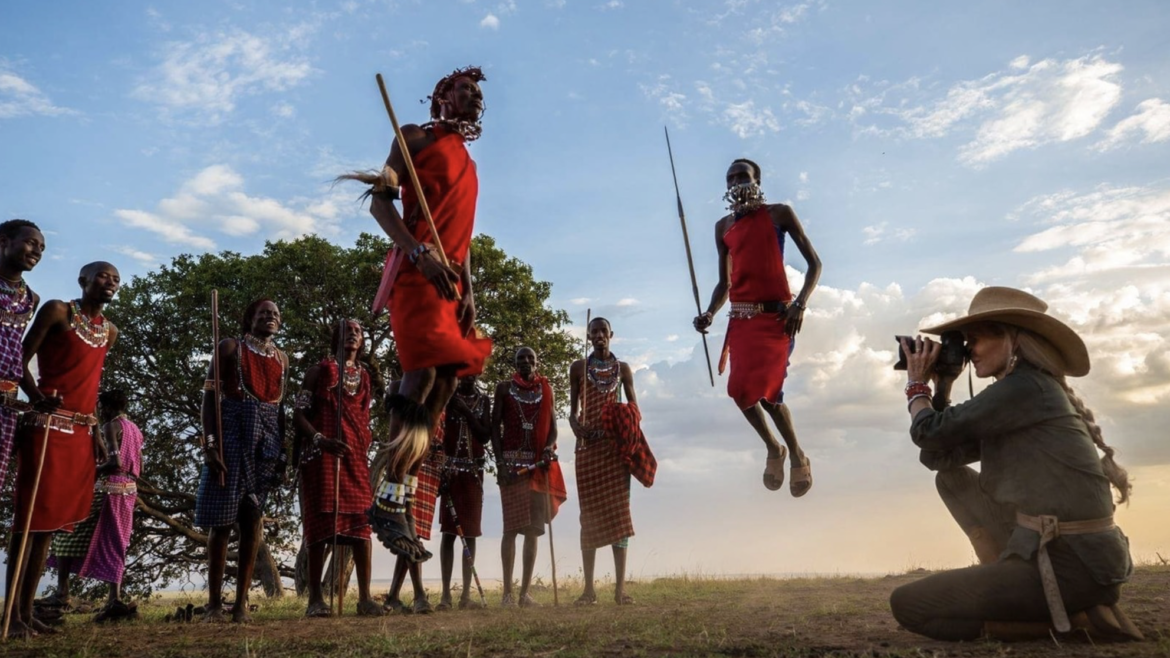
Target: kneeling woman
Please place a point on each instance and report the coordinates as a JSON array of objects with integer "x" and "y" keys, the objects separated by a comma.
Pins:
[{"x": 1039, "y": 512}]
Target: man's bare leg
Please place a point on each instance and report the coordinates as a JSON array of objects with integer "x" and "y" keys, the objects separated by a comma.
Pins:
[
  {"x": 508, "y": 558},
  {"x": 588, "y": 561},
  {"x": 619, "y": 571},
  {"x": 250, "y": 526},
  {"x": 217, "y": 545},
  {"x": 64, "y": 568},
  {"x": 394, "y": 598},
  {"x": 446, "y": 566},
  {"x": 759, "y": 422},
  {"x": 316, "y": 572},
  {"x": 420, "y": 604},
  {"x": 530, "y": 545},
  {"x": 362, "y": 559},
  {"x": 34, "y": 566},
  {"x": 782, "y": 418},
  {"x": 468, "y": 561}
]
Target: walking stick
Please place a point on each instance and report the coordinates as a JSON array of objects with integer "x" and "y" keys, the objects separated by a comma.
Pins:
[
  {"x": 15, "y": 589},
  {"x": 682, "y": 218},
  {"x": 339, "y": 586},
  {"x": 418, "y": 191},
  {"x": 217, "y": 379},
  {"x": 467, "y": 557}
]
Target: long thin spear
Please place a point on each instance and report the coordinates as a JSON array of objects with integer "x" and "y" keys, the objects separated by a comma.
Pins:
[
  {"x": 338, "y": 567},
  {"x": 418, "y": 190},
  {"x": 682, "y": 218}
]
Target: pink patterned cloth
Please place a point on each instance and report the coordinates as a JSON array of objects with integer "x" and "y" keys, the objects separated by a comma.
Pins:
[{"x": 106, "y": 559}]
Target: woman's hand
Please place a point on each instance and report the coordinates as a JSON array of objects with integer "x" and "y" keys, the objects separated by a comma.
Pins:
[{"x": 920, "y": 358}]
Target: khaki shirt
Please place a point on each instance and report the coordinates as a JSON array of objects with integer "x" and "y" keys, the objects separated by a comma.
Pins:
[{"x": 1036, "y": 456}]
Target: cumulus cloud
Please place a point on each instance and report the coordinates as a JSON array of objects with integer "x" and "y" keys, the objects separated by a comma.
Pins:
[
  {"x": 881, "y": 232},
  {"x": 206, "y": 77},
  {"x": 19, "y": 97},
  {"x": 747, "y": 120},
  {"x": 664, "y": 93},
  {"x": 215, "y": 196},
  {"x": 1023, "y": 107},
  {"x": 490, "y": 22},
  {"x": 1151, "y": 122}
]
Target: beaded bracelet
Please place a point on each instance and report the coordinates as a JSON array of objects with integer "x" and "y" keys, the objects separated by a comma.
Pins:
[
  {"x": 910, "y": 402},
  {"x": 417, "y": 253},
  {"x": 914, "y": 388}
]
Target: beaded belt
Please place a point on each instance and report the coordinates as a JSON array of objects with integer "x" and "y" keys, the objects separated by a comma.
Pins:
[
  {"x": 749, "y": 310},
  {"x": 116, "y": 488},
  {"x": 1050, "y": 528},
  {"x": 464, "y": 465},
  {"x": 514, "y": 459},
  {"x": 61, "y": 421}
]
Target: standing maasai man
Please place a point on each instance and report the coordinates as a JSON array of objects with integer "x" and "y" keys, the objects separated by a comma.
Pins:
[
  {"x": 70, "y": 341},
  {"x": 432, "y": 307},
  {"x": 21, "y": 247},
  {"x": 468, "y": 429},
  {"x": 422, "y": 514},
  {"x": 524, "y": 438},
  {"x": 764, "y": 318},
  {"x": 254, "y": 457},
  {"x": 602, "y": 459},
  {"x": 97, "y": 546},
  {"x": 316, "y": 423}
]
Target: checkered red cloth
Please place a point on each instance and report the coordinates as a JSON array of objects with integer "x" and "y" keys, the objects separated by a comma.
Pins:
[
  {"x": 603, "y": 490},
  {"x": 525, "y": 510},
  {"x": 317, "y": 472},
  {"x": 430, "y": 476},
  {"x": 11, "y": 369},
  {"x": 623, "y": 423},
  {"x": 465, "y": 490}
]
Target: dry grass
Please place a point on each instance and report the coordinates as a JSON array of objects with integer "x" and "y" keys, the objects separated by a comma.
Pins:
[{"x": 681, "y": 616}]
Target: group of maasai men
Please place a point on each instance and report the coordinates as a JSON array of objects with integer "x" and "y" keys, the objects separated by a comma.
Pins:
[{"x": 441, "y": 422}]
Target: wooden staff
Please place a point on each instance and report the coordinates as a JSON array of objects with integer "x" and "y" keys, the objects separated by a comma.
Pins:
[
  {"x": 552, "y": 551},
  {"x": 15, "y": 585},
  {"x": 337, "y": 566},
  {"x": 418, "y": 190},
  {"x": 682, "y": 218},
  {"x": 217, "y": 380}
]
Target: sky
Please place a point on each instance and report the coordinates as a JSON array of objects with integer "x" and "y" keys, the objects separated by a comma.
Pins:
[{"x": 929, "y": 149}]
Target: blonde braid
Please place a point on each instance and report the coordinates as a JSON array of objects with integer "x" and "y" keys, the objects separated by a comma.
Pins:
[{"x": 1117, "y": 475}]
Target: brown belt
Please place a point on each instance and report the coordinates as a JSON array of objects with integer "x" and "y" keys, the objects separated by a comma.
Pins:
[
  {"x": 116, "y": 488},
  {"x": 1050, "y": 528}
]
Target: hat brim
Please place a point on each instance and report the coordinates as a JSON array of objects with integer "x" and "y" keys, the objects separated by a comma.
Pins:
[{"x": 1066, "y": 341}]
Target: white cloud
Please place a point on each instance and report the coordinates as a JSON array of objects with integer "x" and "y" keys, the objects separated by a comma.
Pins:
[
  {"x": 580, "y": 301},
  {"x": 19, "y": 97},
  {"x": 1027, "y": 106},
  {"x": 284, "y": 110},
  {"x": 1151, "y": 122},
  {"x": 881, "y": 233},
  {"x": 627, "y": 301},
  {"x": 490, "y": 22},
  {"x": 206, "y": 77},
  {"x": 746, "y": 120},
  {"x": 215, "y": 197},
  {"x": 149, "y": 260},
  {"x": 671, "y": 100},
  {"x": 612, "y": 4}
]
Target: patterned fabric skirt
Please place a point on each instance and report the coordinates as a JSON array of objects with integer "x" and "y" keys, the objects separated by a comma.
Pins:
[
  {"x": 430, "y": 476},
  {"x": 254, "y": 455},
  {"x": 760, "y": 352},
  {"x": 525, "y": 511},
  {"x": 8, "y": 420},
  {"x": 465, "y": 491},
  {"x": 603, "y": 490},
  {"x": 76, "y": 544},
  {"x": 317, "y": 499}
]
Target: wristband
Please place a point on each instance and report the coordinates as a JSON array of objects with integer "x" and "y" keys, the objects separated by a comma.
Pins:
[
  {"x": 910, "y": 402},
  {"x": 417, "y": 253}
]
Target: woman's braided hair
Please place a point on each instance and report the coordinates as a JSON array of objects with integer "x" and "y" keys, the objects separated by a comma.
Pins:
[{"x": 1040, "y": 353}]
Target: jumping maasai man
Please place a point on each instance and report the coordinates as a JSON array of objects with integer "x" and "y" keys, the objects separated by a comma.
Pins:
[
  {"x": 315, "y": 418},
  {"x": 468, "y": 429},
  {"x": 604, "y": 456},
  {"x": 21, "y": 247},
  {"x": 432, "y": 306},
  {"x": 422, "y": 514},
  {"x": 70, "y": 341},
  {"x": 764, "y": 317},
  {"x": 524, "y": 438},
  {"x": 254, "y": 456},
  {"x": 97, "y": 546}
]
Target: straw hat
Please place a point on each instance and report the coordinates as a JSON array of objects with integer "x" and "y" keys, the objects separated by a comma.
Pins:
[{"x": 1019, "y": 309}]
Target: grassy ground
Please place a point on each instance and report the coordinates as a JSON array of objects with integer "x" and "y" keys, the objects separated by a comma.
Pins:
[{"x": 672, "y": 617}]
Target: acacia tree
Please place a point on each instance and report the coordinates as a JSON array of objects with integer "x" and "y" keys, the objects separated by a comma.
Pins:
[{"x": 163, "y": 351}]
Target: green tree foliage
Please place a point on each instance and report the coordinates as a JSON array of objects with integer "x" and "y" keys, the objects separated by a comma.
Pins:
[{"x": 163, "y": 353}]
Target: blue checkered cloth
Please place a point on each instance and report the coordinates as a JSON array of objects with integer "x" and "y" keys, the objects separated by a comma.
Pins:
[{"x": 253, "y": 452}]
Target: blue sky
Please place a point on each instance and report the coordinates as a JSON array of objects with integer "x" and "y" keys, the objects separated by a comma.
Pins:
[{"x": 929, "y": 148}]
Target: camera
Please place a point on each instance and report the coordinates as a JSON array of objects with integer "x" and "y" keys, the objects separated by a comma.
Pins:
[{"x": 952, "y": 355}]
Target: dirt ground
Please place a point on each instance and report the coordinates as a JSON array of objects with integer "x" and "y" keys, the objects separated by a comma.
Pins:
[{"x": 672, "y": 617}]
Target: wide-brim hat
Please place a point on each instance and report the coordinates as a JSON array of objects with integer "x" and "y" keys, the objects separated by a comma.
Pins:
[{"x": 1020, "y": 309}]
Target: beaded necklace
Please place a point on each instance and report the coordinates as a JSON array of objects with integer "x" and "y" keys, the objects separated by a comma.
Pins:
[
  {"x": 88, "y": 330},
  {"x": 464, "y": 460},
  {"x": 17, "y": 310},
  {"x": 352, "y": 379},
  {"x": 525, "y": 399},
  {"x": 604, "y": 374},
  {"x": 272, "y": 354},
  {"x": 261, "y": 346}
]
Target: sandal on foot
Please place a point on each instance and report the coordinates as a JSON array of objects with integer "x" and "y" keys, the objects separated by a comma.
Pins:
[
  {"x": 585, "y": 600},
  {"x": 507, "y": 601},
  {"x": 624, "y": 599},
  {"x": 774, "y": 470},
  {"x": 802, "y": 479},
  {"x": 395, "y": 606},
  {"x": 444, "y": 606},
  {"x": 369, "y": 608},
  {"x": 320, "y": 610},
  {"x": 527, "y": 601},
  {"x": 471, "y": 604},
  {"x": 393, "y": 533},
  {"x": 421, "y": 607}
]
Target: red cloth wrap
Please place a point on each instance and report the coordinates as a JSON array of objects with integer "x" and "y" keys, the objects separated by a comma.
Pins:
[
  {"x": 73, "y": 369},
  {"x": 623, "y": 422},
  {"x": 317, "y": 484},
  {"x": 549, "y": 479},
  {"x": 759, "y": 347},
  {"x": 464, "y": 490},
  {"x": 426, "y": 329}
]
